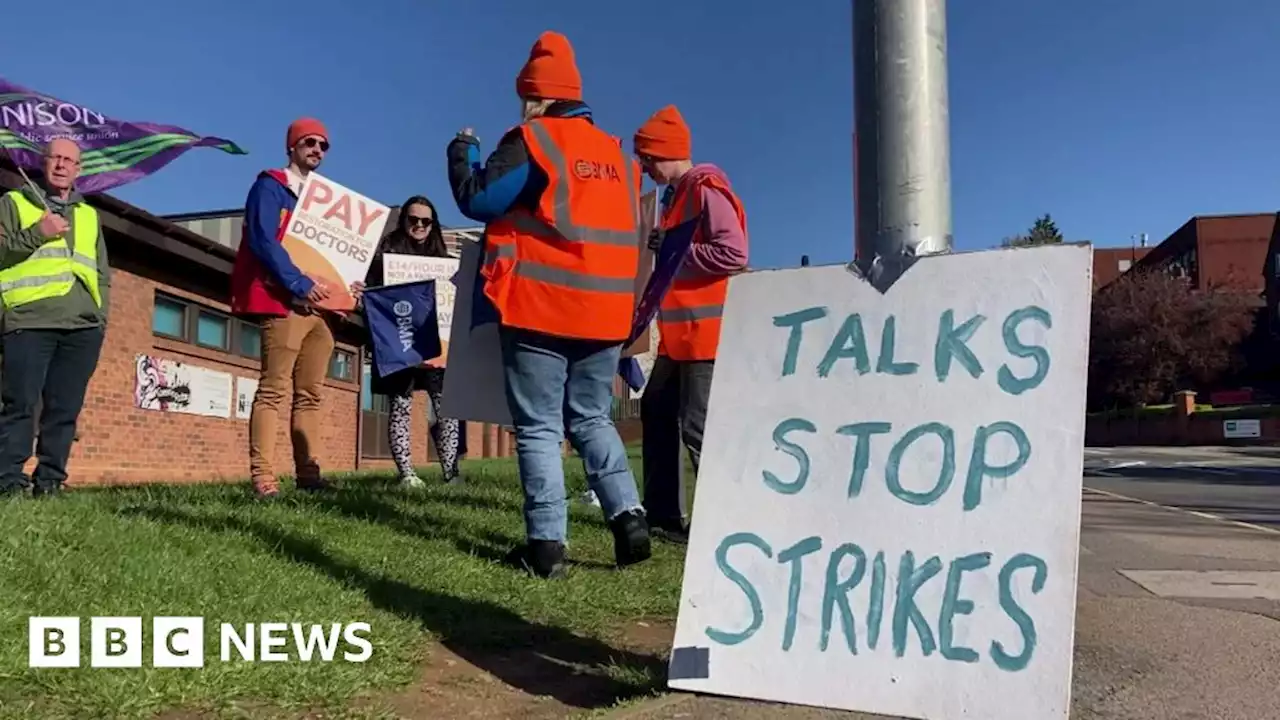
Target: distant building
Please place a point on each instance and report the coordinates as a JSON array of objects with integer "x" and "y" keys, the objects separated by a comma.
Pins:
[
  {"x": 1218, "y": 251},
  {"x": 1111, "y": 263}
]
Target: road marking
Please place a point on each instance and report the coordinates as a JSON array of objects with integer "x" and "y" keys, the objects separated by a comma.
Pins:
[
  {"x": 1129, "y": 463},
  {"x": 1196, "y": 513},
  {"x": 1224, "y": 584}
]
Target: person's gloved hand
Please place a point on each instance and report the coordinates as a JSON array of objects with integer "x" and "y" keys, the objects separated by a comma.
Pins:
[{"x": 655, "y": 239}]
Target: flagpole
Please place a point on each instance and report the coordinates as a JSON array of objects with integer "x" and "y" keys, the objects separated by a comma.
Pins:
[{"x": 39, "y": 195}]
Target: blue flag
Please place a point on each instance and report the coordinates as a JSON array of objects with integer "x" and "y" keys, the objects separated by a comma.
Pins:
[
  {"x": 671, "y": 255},
  {"x": 403, "y": 325}
]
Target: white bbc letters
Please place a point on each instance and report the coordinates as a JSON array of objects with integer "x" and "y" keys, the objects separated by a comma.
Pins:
[
  {"x": 53, "y": 642},
  {"x": 178, "y": 642},
  {"x": 115, "y": 642}
]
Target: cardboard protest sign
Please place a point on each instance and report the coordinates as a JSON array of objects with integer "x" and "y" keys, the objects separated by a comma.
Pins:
[
  {"x": 888, "y": 508},
  {"x": 648, "y": 221},
  {"x": 332, "y": 236},
  {"x": 398, "y": 269},
  {"x": 474, "y": 389}
]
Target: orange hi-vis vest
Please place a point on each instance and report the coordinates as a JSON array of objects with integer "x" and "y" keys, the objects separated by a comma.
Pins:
[
  {"x": 690, "y": 313},
  {"x": 569, "y": 267}
]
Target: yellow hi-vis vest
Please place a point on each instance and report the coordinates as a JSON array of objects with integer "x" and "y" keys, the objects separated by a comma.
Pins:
[{"x": 51, "y": 270}]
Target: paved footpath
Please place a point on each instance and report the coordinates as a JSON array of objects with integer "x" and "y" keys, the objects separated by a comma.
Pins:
[{"x": 1178, "y": 619}]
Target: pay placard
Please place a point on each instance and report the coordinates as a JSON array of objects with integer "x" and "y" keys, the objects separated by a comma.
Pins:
[
  {"x": 888, "y": 508},
  {"x": 332, "y": 235}
]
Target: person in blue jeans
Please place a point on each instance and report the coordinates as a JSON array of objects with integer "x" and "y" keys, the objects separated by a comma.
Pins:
[{"x": 561, "y": 253}]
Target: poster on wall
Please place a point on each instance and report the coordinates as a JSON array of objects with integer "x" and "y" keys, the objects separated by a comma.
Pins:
[
  {"x": 889, "y": 498},
  {"x": 170, "y": 386},
  {"x": 246, "y": 388}
]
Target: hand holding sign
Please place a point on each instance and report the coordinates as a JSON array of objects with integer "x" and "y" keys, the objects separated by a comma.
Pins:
[{"x": 331, "y": 237}]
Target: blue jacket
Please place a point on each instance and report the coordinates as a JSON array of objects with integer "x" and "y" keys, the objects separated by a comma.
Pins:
[{"x": 269, "y": 200}]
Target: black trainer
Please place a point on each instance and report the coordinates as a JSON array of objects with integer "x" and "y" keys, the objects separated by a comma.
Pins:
[
  {"x": 540, "y": 558},
  {"x": 630, "y": 538}
]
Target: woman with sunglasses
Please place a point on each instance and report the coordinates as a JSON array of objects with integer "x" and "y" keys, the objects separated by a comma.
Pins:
[{"x": 417, "y": 232}]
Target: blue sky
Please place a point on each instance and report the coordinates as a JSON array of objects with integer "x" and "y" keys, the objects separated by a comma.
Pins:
[{"x": 1115, "y": 117}]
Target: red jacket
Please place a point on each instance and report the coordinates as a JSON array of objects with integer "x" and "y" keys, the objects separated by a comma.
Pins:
[{"x": 266, "y": 288}]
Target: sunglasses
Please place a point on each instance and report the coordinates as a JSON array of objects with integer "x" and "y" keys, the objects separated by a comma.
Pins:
[
  {"x": 312, "y": 142},
  {"x": 415, "y": 220}
]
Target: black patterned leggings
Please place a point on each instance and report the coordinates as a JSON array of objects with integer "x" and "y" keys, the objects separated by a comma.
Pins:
[{"x": 444, "y": 432}]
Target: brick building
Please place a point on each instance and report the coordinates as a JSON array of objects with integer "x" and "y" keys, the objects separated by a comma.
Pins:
[
  {"x": 171, "y": 343},
  {"x": 1111, "y": 263},
  {"x": 1218, "y": 251}
]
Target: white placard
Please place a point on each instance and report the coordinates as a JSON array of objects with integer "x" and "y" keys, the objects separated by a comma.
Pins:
[
  {"x": 1241, "y": 428},
  {"x": 169, "y": 386},
  {"x": 246, "y": 389},
  {"x": 398, "y": 269},
  {"x": 332, "y": 235},
  {"x": 850, "y": 548},
  {"x": 474, "y": 389}
]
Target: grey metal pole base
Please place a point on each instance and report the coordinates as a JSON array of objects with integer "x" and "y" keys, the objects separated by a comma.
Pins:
[{"x": 903, "y": 168}]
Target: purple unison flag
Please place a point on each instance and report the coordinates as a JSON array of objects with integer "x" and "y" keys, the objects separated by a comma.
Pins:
[{"x": 112, "y": 152}]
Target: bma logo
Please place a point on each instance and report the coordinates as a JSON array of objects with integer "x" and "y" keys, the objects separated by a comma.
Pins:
[
  {"x": 591, "y": 170},
  {"x": 178, "y": 642},
  {"x": 404, "y": 323}
]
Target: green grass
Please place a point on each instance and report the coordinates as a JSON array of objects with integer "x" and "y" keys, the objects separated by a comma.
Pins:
[{"x": 421, "y": 567}]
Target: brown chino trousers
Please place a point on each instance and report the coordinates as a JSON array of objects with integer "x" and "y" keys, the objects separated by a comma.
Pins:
[{"x": 295, "y": 356}]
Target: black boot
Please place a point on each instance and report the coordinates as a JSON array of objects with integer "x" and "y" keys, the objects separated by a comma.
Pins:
[
  {"x": 630, "y": 538},
  {"x": 540, "y": 558},
  {"x": 672, "y": 531}
]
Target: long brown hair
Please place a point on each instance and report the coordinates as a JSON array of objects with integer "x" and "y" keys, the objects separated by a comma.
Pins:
[{"x": 435, "y": 245}]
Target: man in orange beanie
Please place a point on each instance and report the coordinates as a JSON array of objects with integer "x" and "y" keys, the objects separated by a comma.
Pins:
[
  {"x": 297, "y": 342},
  {"x": 703, "y": 221},
  {"x": 559, "y": 198}
]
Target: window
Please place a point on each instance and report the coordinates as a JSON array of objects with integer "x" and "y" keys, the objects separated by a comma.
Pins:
[
  {"x": 1125, "y": 265},
  {"x": 250, "y": 340},
  {"x": 189, "y": 322},
  {"x": 169, "y": 318},
  {"x": 212, "y": 330},
  {"x": 342, "y": 365}
]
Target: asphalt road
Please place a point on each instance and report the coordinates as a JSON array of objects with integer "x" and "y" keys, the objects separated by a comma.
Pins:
[{"x": 1240, "y": 484}]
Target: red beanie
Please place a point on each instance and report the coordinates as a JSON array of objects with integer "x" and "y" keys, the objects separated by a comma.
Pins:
[
  {"x": 303, "y": 127},
  {"x": 665, "y": 136},
  {"x": 551, "y": 73}
]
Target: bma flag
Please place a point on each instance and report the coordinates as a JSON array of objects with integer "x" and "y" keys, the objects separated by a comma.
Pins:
[{"x": 403, "y": 325}]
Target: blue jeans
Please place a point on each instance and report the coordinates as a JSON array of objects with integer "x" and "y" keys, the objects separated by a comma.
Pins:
[{"x": 554, "y": 385}]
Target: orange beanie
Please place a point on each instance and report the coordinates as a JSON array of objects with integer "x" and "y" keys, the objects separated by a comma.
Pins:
[
  {"x": 303, "y": 127},
  {"x": 551, "y": 72},
  {"x": 665, "y": 136}
]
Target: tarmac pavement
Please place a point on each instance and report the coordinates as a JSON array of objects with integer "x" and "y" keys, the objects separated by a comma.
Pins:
[{"x": 1177, "y": 610}]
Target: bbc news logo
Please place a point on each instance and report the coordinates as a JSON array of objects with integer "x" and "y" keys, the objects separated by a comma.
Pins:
[{"x": 178, "y": 642}]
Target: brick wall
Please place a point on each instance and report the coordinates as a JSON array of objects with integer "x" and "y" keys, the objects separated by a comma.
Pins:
[{"x": 121, "y": 443}]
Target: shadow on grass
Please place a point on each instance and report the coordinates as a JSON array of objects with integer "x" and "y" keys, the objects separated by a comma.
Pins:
[
  {"x": 485, "y": 544},
  {"x": 540, "y": 660}
]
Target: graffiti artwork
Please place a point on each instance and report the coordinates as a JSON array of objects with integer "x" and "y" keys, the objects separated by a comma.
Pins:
[
  {"x": 169, "y": 386},
  {"x": 159, "y": 387}
]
